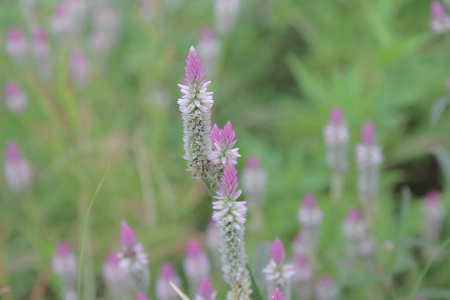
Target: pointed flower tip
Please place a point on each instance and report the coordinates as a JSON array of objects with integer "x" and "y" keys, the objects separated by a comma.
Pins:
[
  {"x": 141, "y": 296},
  {"x": 253, "y": 162},
  {"x": 277, "y": 252},
  {"x": 336, "y": 116},
  {"x": 112, "y": 259},
  {"x": 192, "y": 50},
  {"x": 194, "y": 248},
  {"x": 437, "y": 10},
  {"x": 309, "y": 201},
  {"x": 433, "y": 196},
  {"x": 354, "y": 215},
  {"x": 194, "y": 68},
  {"x": 368, "y": 133},
  {"x": 168, "y": 271},
  {"x": 63, "y": 248},
  {"x": 276, "y": 295},
  {"x": 205, "y": 289},
  {"x": 13, "y": 152},
  {"x": 207, "y": 34},
  {"x": 127, "y": 237}
]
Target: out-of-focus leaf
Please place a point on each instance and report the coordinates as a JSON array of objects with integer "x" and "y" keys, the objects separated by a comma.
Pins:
[
  {"x": 437, "y": 109},
  {"x": 443, "y": 157},
  {"x": 435, "y": 293}
]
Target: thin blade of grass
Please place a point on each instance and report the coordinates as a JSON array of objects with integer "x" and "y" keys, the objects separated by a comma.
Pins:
[
  {"x": 83, "y": 239},
  {"x": 426, "y": 268}
]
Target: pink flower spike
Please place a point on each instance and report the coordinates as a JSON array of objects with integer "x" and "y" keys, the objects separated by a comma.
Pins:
[
  {"x": 253, "y": 162},
  {"x": 194, "y": 248},
  {"x": 368, "y": 133},
  {"x": 437, "y": 10},
  {"x": 276, "y": 295},
  {"x": 433, "y": 196},
  {"x": 277, "y": 252},
  {"x": 205, "y": 290},
  {"x": 127, "y": 237},
  {"x": 194, "y": 69},
  {"x": 141, "y": 296},
  {"x": 354, "y": 215},
  {"x": 168, "y": 271},
  {"x": 63, "y": 249},
  {"x": 309, "y": 201},
  {"x": 229, "y": 186},
  {"x": 112, "y": 259},
  {"x": 13, "y": 152},
  {"x": 336, "y": 116}
]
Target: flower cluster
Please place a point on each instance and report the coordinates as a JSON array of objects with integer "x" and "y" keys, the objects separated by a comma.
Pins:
[
  {"x": 368, "y": 159},
  {"x": 195, "y": 107},
  {"x": 278, "y": 275},
  {"x": 18, "y": 173},
  {"x": 196, "y": 264},
  {"x": 133, "y": 259},
  {"x": 205, "y": 290},
  {"x": 229, "y": 215},
  {"x": 354, "y": 229},
  {"x": 223, "y": 141},
  {"x": 115, "y": 277},
  {"x": 440, "y": 22},
  {"x": 65, "y": 266},
  {"x": 163, "y": 289},
  {"x": 310, "y": 216},
  {"x": 276, "y": 295}
]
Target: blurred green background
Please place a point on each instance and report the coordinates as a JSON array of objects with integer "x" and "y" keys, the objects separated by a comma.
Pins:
[{"x": 280, "y": 72}]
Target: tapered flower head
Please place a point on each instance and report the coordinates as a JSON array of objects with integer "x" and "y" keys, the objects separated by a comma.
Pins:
[
  {"x": 276, "y": 295},
  {"x": 336, "y": 116},
  {"x": 229, "y": 187},
  {"x": 17, "y": 45},
  {"x": 18, "y": 173},
  {"x": 368, "y": 133},
  {"x": 195, "y": 107},
  {"x": 79, "y": 67},
  {"x": 326, "y": 289},
  {"x": 310, "y": 215},
  {"x": 205, "y": 290},
  {"x": 303, "y": 269},
  {"x": 223, "y": 141},
  {"x": 115, "y": 278},
  {"x": 141, "y": 296},
  {"x": 277, "y": 252},
  {"x": 196, "y": 264},
  {"x": 437, "y": 10},
  {"x": 133, "y": 259},
  {"x": 253, "y": 162},
  {"x": 64, "y": 265},
  {"x": 127, "y": 237},
  {"x": 40, "y": 47},
  {"x": 440, "y": 21},
  {"x": 16, "y": 99},
  {"x": 354, "y": 227},
  {"x": 163, "y": 289}
]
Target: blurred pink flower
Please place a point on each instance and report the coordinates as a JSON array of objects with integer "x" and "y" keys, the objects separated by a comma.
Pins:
[
  {"x": 17, "y": 45},
  {"x": 163, "y": 289},
  {"x": 16, "y": 99},
  {"x": 115, "y": 277},
  {"x": 326, "y": 289},
  {"x": 440, "y": 21},
  {"x": 18, "y": 172},
  {"x": 205, "y": 290},
  {"x": 196, "y": 264}
]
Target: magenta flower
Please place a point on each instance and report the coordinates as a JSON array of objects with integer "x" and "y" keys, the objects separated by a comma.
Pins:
[
  {"x": 17, "y": 45},
  {"x": 16, "y": 99},
  {"x": 65, "y": 266},
  {"x": 63, "y": 24},
  {"x": 163, "y": 289},
  {"x": 354, "y": 227},
  {"x": 276, "y": 295},
  {"x": 230, "y": 217},
  {"x": 133, "y": 259},
  {"x": 336, "y": 136},
  {"x": 195, "y": 106},
  {"x": 141, "y": 296},
  {"x": 223, "y": 141},
  {"x": 205, "y": 290},
  {"x": 326, "y": 289},
  {"x": 276, "y": 273},
  {"x": 115, "y": 278},
  {"x": 310, "y": 215},
  {"x": 433, "y": 215},
  {"x": 79, "y": 68},
  {"x": 18, "y": 173},
  {"x": 440, "y": 21},
  {"x": 196, "y": 264},
  {"x": 368, "y": 159}
]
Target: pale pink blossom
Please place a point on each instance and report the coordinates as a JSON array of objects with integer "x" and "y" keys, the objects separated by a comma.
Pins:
[
  {"x": 440, "y": 21},
  {"x": 310, "y": 215},
  {"x": 17, "y": 45},
  {"x": 196, "y": 264},
  {"x": 205, "y": 290},
  {"x": 16, "y": 99},
  {"x": 326, "y": 288},
  {"x": 116, "y": 279},
  {"x": 163, "y": 289},
  {"x": 18, "y": 173}
]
